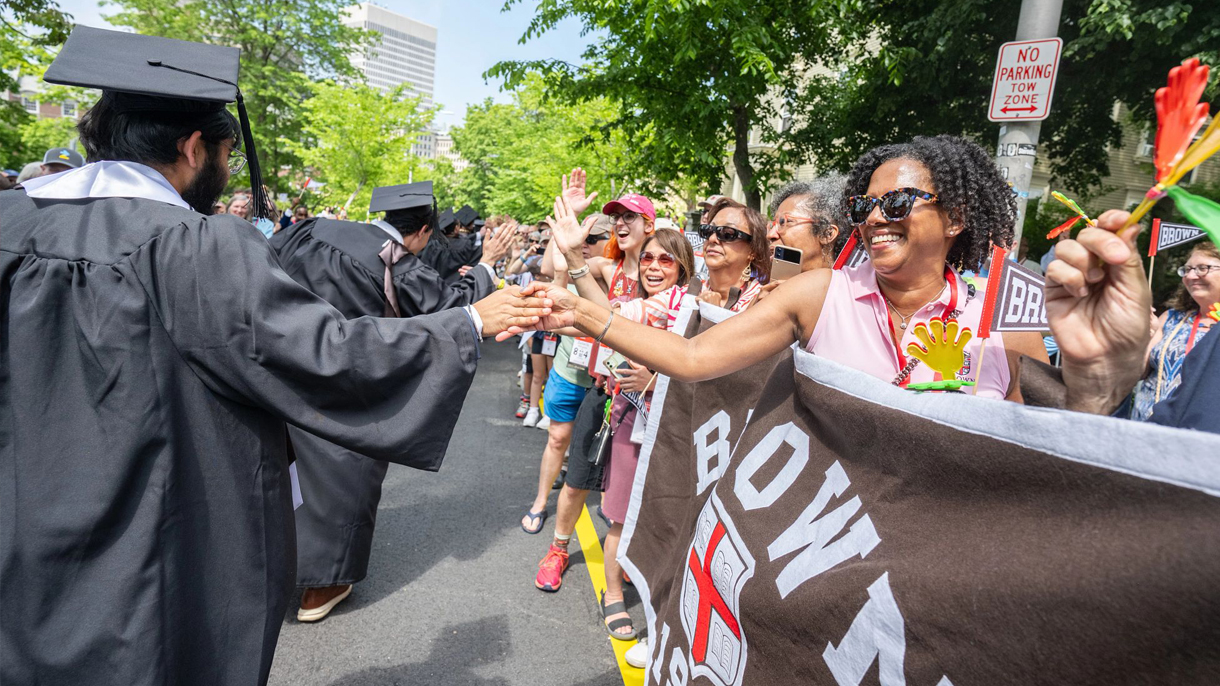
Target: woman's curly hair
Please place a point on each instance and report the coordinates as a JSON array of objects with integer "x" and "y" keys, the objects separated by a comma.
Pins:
[{"x": 969, "y": 186}]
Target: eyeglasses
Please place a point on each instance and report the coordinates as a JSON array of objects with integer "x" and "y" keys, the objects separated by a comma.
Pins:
[
  {"x": 896, "y": 205},
  {"x": 236, "y": 161},
  {"x": 594, "y": 240},
  {"x": 1200, "y": 269},
  {"x": 664, "y": 259},
  {"x": 726, "y": 234},
  {"x": 787, "y": 221},
  {"x": 627, "y": 217}
]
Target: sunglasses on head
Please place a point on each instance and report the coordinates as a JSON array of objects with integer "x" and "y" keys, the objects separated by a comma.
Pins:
[
  {"x": 594, "y": 240},
  {"x": 726, "y": 234},
  {"x": 895, "y": 205},
  {"x": 627, "y": 217},
  {"x": 664, "y": 259}
]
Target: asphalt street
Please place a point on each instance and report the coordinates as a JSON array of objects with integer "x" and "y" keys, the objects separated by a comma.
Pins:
[{"x": 450, "y": 595}]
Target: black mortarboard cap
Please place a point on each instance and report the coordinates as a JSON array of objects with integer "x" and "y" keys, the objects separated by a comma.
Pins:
[
  {"x": 446, "y": 219},
  {"x": 402, "y": 197},
  {"x": 154, "y": 74},
  {"x": 466, "y": 215}
]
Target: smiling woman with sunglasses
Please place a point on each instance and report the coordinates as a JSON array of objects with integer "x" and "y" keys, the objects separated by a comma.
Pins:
[
  {"x": 736, "y": 252},
  {"x": 951, "y": 206}
]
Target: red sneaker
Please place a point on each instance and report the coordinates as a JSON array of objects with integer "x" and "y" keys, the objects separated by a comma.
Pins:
[
  {"x": 523, "y": 408},
  {"x": 551, "y": 569}
]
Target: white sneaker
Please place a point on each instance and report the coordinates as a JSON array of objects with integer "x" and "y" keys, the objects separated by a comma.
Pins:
[
  {"x": 531, "y": 417},
  {"x": 544, "y": 423},
  {"x": 637, "y": 655}
]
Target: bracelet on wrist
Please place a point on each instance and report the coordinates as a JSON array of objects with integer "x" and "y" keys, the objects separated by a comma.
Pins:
[
  {"x": 609, "y": 321},
  {"x": 578, "y": 273}
]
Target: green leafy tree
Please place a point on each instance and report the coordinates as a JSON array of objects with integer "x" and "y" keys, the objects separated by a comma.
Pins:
[
  {"x": 694, "y": 78},
  {"x": 518, "y": 152},
  {"x": 355, "y": 138},
  {"x": 925, "y": 67},
  {"x": 285, "y": 45},
  {"x": 41, "y": 135},
  {"x": 28, "y": 28}
]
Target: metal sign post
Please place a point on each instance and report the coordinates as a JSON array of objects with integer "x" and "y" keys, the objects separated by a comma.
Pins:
[{"x": 1025, "y": 78}]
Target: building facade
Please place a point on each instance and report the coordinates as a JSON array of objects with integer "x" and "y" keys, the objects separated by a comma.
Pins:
[
  {"x": 444, "y": 149},
  {"x": 405, "y": 55}
]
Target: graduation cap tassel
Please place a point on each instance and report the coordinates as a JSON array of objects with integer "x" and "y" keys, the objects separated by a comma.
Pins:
[{"x": 262, "y": 206}]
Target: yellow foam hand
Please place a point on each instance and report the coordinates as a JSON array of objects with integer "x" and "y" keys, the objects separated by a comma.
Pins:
[{"x": 944, "y": 346}]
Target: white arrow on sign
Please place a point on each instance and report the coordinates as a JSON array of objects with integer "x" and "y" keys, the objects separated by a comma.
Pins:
[{"x": 1025, "y": 80}]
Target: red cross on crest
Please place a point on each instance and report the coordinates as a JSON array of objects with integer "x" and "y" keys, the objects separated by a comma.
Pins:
[{"x": 709, "y": 597}]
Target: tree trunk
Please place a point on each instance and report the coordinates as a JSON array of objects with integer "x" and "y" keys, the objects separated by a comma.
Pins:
[{"x": 741, "y": 156}]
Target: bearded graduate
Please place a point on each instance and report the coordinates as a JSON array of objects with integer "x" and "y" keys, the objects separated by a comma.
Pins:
[
  {"x": 151, "y": 358},
  {"x": 363, "y": 269}
]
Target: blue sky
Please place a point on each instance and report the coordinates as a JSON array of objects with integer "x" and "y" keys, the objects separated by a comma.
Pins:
[{"x": 472, "y": 36}]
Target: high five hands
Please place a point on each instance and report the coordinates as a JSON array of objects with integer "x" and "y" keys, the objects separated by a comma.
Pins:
[{"x": 560, "y": 309}]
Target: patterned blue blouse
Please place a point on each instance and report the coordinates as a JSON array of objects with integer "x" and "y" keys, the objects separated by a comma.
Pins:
[{"x": 1165, "y": 362}]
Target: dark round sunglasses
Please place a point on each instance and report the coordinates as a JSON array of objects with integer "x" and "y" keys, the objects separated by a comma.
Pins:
[
  {"x": 895, "y": 205},
  {"x": 593, "y": 240},
  {"x": 726, "y": 234}
]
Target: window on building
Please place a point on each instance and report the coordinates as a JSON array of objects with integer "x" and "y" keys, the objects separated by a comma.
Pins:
[
  {"x": 30, "y": 103},
  {"x": 69, "y": 109},
  {"x": 1147, "y": 145}
]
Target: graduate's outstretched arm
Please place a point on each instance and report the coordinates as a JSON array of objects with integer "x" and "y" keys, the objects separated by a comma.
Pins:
[
  {"x": 386, "y": 388},
  {"x": 745, "y": 339}
]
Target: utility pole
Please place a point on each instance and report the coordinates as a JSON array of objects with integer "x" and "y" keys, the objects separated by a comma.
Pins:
[{"x": 1039, "y": 19}]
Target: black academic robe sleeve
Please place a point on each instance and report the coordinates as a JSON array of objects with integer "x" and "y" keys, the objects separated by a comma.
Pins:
[
  {"x": 422, "y": 291},
  {"x": 387, "y": 388}
]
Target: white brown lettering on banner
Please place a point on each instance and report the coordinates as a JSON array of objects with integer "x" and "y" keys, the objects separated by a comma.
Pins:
[{"x": 1021, "y": 302}]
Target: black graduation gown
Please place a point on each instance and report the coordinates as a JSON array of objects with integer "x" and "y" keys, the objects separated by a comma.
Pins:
[
  {"x": 447, "y": 255},
  {"x": 340, "y": 488},
  {"x": 149, "y": 359}
]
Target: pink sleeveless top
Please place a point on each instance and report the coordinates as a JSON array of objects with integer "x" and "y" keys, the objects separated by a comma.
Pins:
[{"x": 854, "y": 330}]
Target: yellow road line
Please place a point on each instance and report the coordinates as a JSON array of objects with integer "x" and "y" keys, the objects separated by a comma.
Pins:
[{"x": 595, "y": 561}]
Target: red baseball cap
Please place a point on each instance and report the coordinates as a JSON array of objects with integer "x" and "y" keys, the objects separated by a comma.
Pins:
[{"x": 633, "y": 202}]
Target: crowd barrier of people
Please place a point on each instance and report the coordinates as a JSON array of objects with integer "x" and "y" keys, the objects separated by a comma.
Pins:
[{"x": 359, "y": 340}]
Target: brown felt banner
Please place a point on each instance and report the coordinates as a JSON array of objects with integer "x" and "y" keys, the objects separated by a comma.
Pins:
[{"x": 862, "y": 534}]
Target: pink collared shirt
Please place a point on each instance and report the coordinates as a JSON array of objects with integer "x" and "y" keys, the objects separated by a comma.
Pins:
[{"x": 854, "y": 330}]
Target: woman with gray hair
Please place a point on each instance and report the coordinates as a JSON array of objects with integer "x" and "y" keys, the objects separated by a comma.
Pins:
[{"x": 807, "y": 215}]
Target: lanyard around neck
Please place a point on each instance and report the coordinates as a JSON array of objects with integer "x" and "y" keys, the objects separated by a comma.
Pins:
[{"x": 947, "y": 314}]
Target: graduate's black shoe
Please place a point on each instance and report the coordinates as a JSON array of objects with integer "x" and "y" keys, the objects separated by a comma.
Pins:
[{"x": 316, "y": 603}]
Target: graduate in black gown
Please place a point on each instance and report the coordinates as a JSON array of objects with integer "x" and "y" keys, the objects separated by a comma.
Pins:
[
  {"x": 151, "y": 358},
  {"x": 361, "y": 269},
  {"x": 448, "y": 251}
]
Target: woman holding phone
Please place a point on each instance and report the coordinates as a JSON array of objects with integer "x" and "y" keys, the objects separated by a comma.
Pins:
[
  {"x": 924, "y": 210},
  {"x": 666, "y": 264}
]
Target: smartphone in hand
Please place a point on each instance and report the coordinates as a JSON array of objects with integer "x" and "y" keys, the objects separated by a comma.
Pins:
[{"x": 786, "y": 263}]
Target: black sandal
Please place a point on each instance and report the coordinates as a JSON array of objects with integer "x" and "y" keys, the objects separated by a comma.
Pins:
[{"x": 613, "y": 626}]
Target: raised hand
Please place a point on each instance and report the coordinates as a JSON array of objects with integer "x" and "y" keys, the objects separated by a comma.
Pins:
[
  {"x": 510, "y": 309},
  {"x": 496, "y": 247},
  {"x": 574, "y": 191},
  {"x": 560, "y": 309},
  {"x": 1097, "y": 302},
  {"x": 944, "y": 346},
  {"x": 567, "y": 232}
]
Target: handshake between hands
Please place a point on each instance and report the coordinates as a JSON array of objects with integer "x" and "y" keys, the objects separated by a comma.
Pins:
[{"x": 538, "y": 307}]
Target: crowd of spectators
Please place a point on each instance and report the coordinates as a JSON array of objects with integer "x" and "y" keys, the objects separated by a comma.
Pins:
[{"x": 928, "y": 211}]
